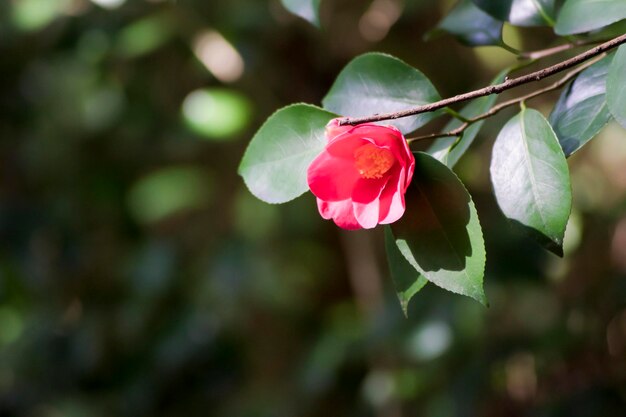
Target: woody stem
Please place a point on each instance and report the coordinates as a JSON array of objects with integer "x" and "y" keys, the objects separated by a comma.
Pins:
[
  {"x": 493, "y": 89},
  {"x": 499, "y": 107}
]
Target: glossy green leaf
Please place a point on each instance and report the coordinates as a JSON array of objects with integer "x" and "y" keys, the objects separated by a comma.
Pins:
[
  {"x": 608, "y": 32},
  {"x": 616, "y": 86},
  {"x": 406, "y": 279},
  {"x": 379, "y": 83},
  {"x": 440, "y": 234},
  {"x": 581, "y": 111},
  {"x": 306, "y": 9},
  {"x": 470, "y": 25},
  {"x": 579, "y": 16},
  {"x": 275, "y": 163},
  {"x": 521, "y": 12},
  {"x": 530, "y": 178},
  {"x": 450, "y": 149}
]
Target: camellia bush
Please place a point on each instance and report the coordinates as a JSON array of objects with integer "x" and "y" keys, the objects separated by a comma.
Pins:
[{"x": 353, "y": 153}]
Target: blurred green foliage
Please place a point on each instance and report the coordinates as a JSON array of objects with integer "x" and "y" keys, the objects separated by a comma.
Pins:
[{"x": 138, "y": 277}]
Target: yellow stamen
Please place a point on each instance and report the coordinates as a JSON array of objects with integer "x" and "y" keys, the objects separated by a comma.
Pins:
[{"x": 372, "y": 161}]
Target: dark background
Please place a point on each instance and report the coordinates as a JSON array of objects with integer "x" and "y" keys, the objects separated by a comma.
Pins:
[{"x": 138, "y": 276}]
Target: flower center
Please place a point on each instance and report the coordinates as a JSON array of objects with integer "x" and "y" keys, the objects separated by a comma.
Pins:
[{"x": 372, "y": 161}]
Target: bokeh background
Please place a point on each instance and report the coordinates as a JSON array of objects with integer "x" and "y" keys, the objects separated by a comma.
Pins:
[{"x": 138, "y": 276}]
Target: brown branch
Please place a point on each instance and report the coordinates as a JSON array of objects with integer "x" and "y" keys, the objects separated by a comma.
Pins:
[
  {"x": 499, "y": 107},
  {"x": 493, "y": 89}
]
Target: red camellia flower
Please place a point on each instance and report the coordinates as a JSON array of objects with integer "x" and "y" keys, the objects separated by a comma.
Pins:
[{"x": 361, "y": 176}]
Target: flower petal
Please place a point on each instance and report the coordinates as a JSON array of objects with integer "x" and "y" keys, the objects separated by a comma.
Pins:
[
  {"x": 332, "y": 179},
  {"x": 396, "y": 208},
  {"x": 345, "y": 146},
  {"x": 409, "y": 173},
  {"x": 367, "y": 214},
  {"x": 392, "y": 205},
  {"x": 367, "y": 190},
  {"x": 340, "y": 211},
  {"x": 385, "y": 136},
  {"x": 333, "y": 130}
]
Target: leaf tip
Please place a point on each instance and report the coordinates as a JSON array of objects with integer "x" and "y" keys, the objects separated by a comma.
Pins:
[
  {"x": 482, "y": 299},
  {"x": 555, "y": 248},
  {"x": 404, "y": 304}
]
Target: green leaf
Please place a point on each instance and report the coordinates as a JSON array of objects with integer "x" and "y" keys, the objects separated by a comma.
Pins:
[
  {"x": 470, "y": 25},
  {"x": 616, "y": 86},
  {"x": 449, "y": 150},
  {"x": 579, "y": 16},
  {"x": 306, "y": 9},
  {"x": 275, "y": 163},
  {"x": 520, "y": 12},
  {"x": 530, "y": 178},
  {"x": 608, "y": 32},
  {"x": 406, "y": 279},
  {"x": 581, "y": 111},
  {"x": 379, "y": 83},
  {"x": 440, "y": 234}
]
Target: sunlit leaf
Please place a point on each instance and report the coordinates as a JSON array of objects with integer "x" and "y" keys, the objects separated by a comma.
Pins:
[
  {"x": 581, "y": 111},
  {"x": 616, "y": 86},
  {"x": 379, "y": 83},
  {"x": 440, "y": 234},
  {"x": 109, "y": 4},
  {"x": 306, "y": 9},
  {"x": 579, "y": 16},
  {"x": 216, "y": 114},
  {"x": 521, "y": 12},
  {"x": 470, "y": 25},
  {"x": 275, "y": 163},
  {"x": 449, "y": 150},
  {"x": 33, "y": 15},
  {"x": 144, "y": 36},
  {"x": 406, "y": 279},
  {"x": 531, "y": 179}
]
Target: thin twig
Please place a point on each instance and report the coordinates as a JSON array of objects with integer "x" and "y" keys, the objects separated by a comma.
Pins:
[
  {"x": 499, "y": 107},
  {"x": 493, "y": 89},
  {"x": 542, "y": 53}
]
